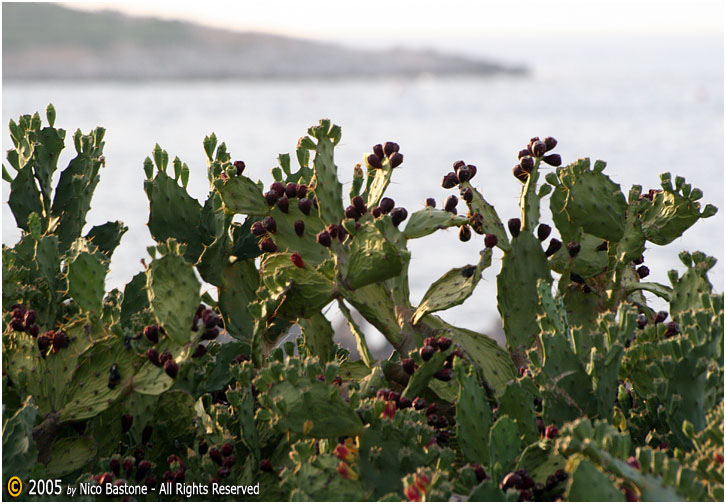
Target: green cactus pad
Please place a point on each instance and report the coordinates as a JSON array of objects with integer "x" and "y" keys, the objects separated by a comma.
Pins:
[
  {"x": 473, "y": 417},
  {"x": 24, "y": 197},
  {"x": 306, "y": 245},
  {"x": 492, "y": 222},
  {"x": 453, "y": 288},
  {"x": 174, "y": 418},
  {"x": 517, "y": 298},
  {"x": 598, "y": 205},
  {"x": 504, "y": 444},
  {"x": 517, "y": 403},
  {"x": 423, "y": 375},
  {"x": 587, "y": 483},
  {"x": 86, "y": 281},
  {"x": 70, "y": 454},
  {"x": 107, "y": 236},
  {"x": 19, "y": 450},
  {"x": 317, "y": 336},
  {"x": 428, "y": 220},
  {"x": 135, "y": 298},
  {"x": 239, "y": 283},
  {"x": 371, "y": 258},
  {"x": 589, "y": 261},
  {"x": 692, "y": 284},
  {"x": 375, "y": 304},
  {"x": 328, "y": 189},
  {"x": 173, "y": 291},
  {"x": 241, "y": 195}
]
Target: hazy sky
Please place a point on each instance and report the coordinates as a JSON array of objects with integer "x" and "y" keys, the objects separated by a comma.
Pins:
[{"x": 386, "y": 21}]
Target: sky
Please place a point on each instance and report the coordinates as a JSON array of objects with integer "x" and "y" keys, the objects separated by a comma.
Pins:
[{"x": 382, "y": 22}]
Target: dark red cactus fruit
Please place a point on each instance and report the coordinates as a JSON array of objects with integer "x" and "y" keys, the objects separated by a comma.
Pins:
[
  {"x": 297, "y": 260},
  {"x": 660, "y": 317},
  {"x": 431, "y": 409},
  {"x": 324, "y": 239},
  {"x": 553, "y": 159},
  {"x": 270, "y": 224},
  {"x": 515, "y": 226},
  {"x": 209, "y": 318},
  {"x": 389, "y": 148},
  {"x": 240, "y": 165},
  {"x": 430, "y": 203},
  {"x": 573, "y": 248},
  {"x": 490, "y": 240},
  {"x": 639, "y": 260},
  {"x": 467, "y": 195},
  {"x": 290, "y": 190},
  {"x": 142, "y": 470},
  {"x": 127, "y": 465},
  {"x": 511, "y": 480},
  {"x": 463, "y": 173},
  {"x": 450, "y": 180},
  {"x": 577, "y": 278},
  {"x": 146, "y": 434},
  {"x": 299, "y": 227},
  {"x": 229, "y": 461},
  {"x": 227, "y": 449},
  {"x": 396, "y": 159},
  {"x": 551, "y": 432},
  {"x": 538, "y": 148},
  {"x": 444, "y": 375},
  {"x": 387, "y": 204},
  {"x": 305, "y": 204},
  {"x": 642, "y": 321},
  {"x": 426, "y": 352},
  {"x": 302, "y": 190},
  {"x": 393, "y": 396},
  {"x": 550, "y": 143},
  {"x": 126, "y": 423},
  {"x": 29, "y": 318},
  {"x": 409, "y": 366},
  {"x": 404, "y": 403},
  {"x": 33, "y": 330},
  {"x": 240, "y": 358},
  {"x": 432, "y": 342},
  {"x": 520, "y": 173},
  {"x": 271, "y": 197},
  {"x": 352, "y": 212},
  {"x": 672, "y": 329},
  {"x": 115, "y": 466},
  {"x": 279, "y": 188},
  {"x": 527, "y": 163},
  {"x": 265, "y": 465},
  {"x": 267, "y": 245},
  {"x": 215, "y": 455},
  {"x": 633, "y": 462},
  {"x": 257, "y": 228},
  {"x": 283, "y": 204},
  {"x": 543, "y": 232},
  {"x": 60, "y": 340},
  {"x": 431, "y": 419},
  {"x": 203, "y": 447},
  {"x": 359, "y": 205},
  {"x": 151, "y": 332},
  {"x": 382, "y": 393},
  {"x": 18, "y": 311},
  {"x": 451, "y": 202},
  {"x": 315, "y": 202},
  {"x": 464, "y": 233},
  {"x": 523, "y": 153},
  {"x": 165, "y": 356},
  {"x": 171, "y": 368},
  {"x": 458, "y": 164},
  {"x": 419, "y": 404},
  {"x": 602, "y": 247},
  {"x": 200, "y": 351},
  {"x": 376, "y": 212},
  {"x": 179, "y": 476},
  {"x": 153, "y": 355},
  {"x": 481, "y": 474},
  {"x": 17, "y": 325},
  {"x": 374, "y": 161},
  {"x": 553, "y": 247},
  {"x": 342, "y": 234},
  {"x": 643, "y": 271},
  {"x": 44, "y": 342},
  {"x": 333, "y": 230},
  {"x": 398, "y": 215},
  {"x": 378, "y": 151},
  {"x": 444, "y": 343},
  {"x": 630, "y": 495},
  {"x": 210, "y": 334}
]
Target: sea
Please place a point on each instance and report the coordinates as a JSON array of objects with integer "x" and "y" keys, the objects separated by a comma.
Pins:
[{"x": 645, "y": 105}]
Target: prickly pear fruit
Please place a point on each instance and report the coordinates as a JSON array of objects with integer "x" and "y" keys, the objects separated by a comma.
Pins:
[
  {"x": 408, "y": 365},
  {"x": 573, "y": 248},
  {"x": 299, "y": 227},
  {"x": 398, "y": 215},
  {"x": 267, "y": 245},
  {"x": 297, "y": 260},
  {"x": 527, "y": 163},
  {"x": 387, "y": 205},
  {"x": 279, "y": 188},
  {"x": 171, "y": 368},
  {"x": 450, "y": 180},
  {"x": 543, "y": 231},
  {"x": 283, "y": 204},
  {"x": 146, "y": 434},
  {"x": 126, "y": 422},
  {"x": 464, "y": 233},
  {"x": 643, "y": 271},
  {"x": 426, "y": 352},
  {"x": 324, "y": 238},
  {"x": 270, "y": 224},
  {"x": 240, "y": 165},
  {"x": 374, "y": 161},
  {"x": 514, "y": 225},
  {"x": 553, "y": 247},
  {"x": 302, "y": 190},
  {"x": 153, "y": 355},
  {"x": 352, "y": 212},
  {"x": 200, "y": 351},
  {"x": 451, "y": 203},
  {"x": 519, "y": 173},
  {"x": 257, "y": 228},
  {"x": 396, "y": 159},
  {"x": 271, "y": 197},
  {"x": 538, "y": 148},
  {"x": 290, "y": 190},
  {"x": 389, "y": 148},
  {"x": 378, "y": 151},
  {"x": 444, "y": 343},
  {"x": 430, "y": 203},
  {"x": 490, "y": 240},
  {"x": 553, "y": 159},
  {"x": 359, "y": 205},
  {"x": 152, "y": 333},
  {"x": 305, "y": 204}
]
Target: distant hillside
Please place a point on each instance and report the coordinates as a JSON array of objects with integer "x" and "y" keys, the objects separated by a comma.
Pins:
[{"x": 47, "y": 41}]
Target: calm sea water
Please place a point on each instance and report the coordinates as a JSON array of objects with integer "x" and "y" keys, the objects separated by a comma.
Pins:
[{"x": 645, "y": 106}]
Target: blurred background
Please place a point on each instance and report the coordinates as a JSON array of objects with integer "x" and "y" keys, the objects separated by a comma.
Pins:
[{"x": 638, "y": 84}]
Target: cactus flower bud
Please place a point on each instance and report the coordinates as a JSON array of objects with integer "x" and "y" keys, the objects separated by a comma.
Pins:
[
  {"x": 553, "y": 159},
  {"x": 514, "y": 225},
  {"x": 426, "y": 352},
  {"x": 543, "y": 231},
  {"x": 389, "y": 148},
  {"x": 430, "y": 203},
  {"x": 451, "y": 203},
  {"x": 271, "y": 197},
  {"x": 464, "y": 233},
  {"x": 344, "y": 453},
  {"x": 257, "y": 228},
  {"x": 290, "y": 190},
  {"x": 126, "y": 422},
  {"x": 297, "y": 260},
  {"x": 359, "y": 205},
  {"x": 305, "y": 204},
  {"x": 573, "y": 248},
  {"x": 299, "y": 227},
  {"x": 387, "y": 205},
  {"x": 490, "y": 240},
  {"x": 643, "y": 271},
  {"x": 171, "y": 368},
  {"x": 270, "y": 224},
  {"x": 396, "y": 159},
  {"x": 267, "y": 245},
  {"x": 324, "y": 238},
  {"x": 374, "y": 161},
  {"x": 278, "y": 188},
  {"x": 450, "y": 180},
  {"x": 199, "y": 351},
  {"x": 398, "y": 215},
  {"x": 346, "y": 472},
  {"x": 378, "y": 151},
  {"x": 553, "y": 247}
]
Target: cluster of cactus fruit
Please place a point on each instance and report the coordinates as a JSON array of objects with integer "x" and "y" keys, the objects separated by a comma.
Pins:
[{"x": 596, "y": 395}]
